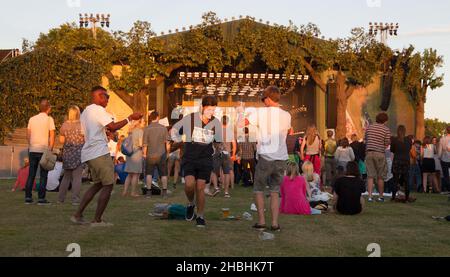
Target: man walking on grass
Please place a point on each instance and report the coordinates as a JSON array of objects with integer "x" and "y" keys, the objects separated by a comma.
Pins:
[
  {"x": 95, "y": 121},
  {"x": 202, "y": 129}
]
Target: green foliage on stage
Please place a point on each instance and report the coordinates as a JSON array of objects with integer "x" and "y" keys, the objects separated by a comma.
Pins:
[
  {"x": 237, "y": 46},
  {"x": 435, "y": 127},
  {"x": 416, "y": 73},
  {"x": 63, "y": 78}
]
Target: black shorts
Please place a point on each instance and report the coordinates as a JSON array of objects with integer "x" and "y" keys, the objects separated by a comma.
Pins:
[{"x": 200, "y": 169}]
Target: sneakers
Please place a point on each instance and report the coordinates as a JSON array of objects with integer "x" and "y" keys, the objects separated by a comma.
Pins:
[
  {"x": 380, "y": 200},
  {"x": 28, "y": 201},
  {"x": 259, "y": 227},
  {"x": 370, "y": 200},
  {"x": 43, "y": 202},
  {"x": 200, "y": 222},
  {"x": 190, "y": 212},
  {"x": 227, "y": 195},
  {"x": 148, "y": 194}
]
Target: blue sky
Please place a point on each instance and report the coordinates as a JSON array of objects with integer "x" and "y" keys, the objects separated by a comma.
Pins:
[{"x": 422, "y": 23}]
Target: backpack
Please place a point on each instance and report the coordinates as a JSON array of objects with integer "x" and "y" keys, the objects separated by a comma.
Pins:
[{"x": 127, "y": 146}]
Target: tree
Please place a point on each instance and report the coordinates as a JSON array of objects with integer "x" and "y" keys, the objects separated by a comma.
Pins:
[
  {"x": 435, "y": 128},
  {"x": 356, "y": 59},
  {"x": 61, "y": 77},
  {"x": 415, "y": 73},
  {"x": 141, "y": 59}
]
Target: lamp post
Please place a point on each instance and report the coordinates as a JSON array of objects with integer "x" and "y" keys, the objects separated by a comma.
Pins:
[
  {"x": 385, "y": 30},
  {"x": 103, "y": 19}
]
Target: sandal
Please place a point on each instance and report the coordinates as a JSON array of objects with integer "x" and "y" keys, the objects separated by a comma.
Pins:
[
  {"x": 275, "y": 228},
  {"x": 259, "y": 227}
]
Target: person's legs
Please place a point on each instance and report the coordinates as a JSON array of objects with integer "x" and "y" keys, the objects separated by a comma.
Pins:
[
  {"x": 259, "y": 199},
  {"x": 395, "y": 184},
  {"x": 418, "y": 176},
  {"x": 77, "y": 176},
  {"x": 425, "y": 182},
  {"x": 405, "y": 179},
  {"x": 162, "y": 170},
  {"x": 262, "y": 172},
  {"x": 275, "y": 207},
  {"x": 34, "y": 159},
  {"x": 200, "y": 197},
  {"x": 127, "y": 184},
  {"x": 435, "y": 181},
  {"x": 446, "y": 181},
  {"x": 43, "y": 184},
  {"x": 276, "y": 178},
  {"x": 226, "y": 183},
  {"x": 380, "y": 187},
  {"x": 176, "y": 171},
  {"x": 87, "y": 198},
  {"x": 189, "y": 188},
  {"x": 170, "y": 164},
  {"x": 64, "y": 186},
  {"x": 371, "y": 173},
  {"x": 134, "y": 183},
  {"x": 102, "y": 202},
  {"x": 370, "y": 183}
]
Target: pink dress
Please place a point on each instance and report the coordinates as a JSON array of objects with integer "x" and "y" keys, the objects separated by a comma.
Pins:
[{"x": 293, "y": 196}]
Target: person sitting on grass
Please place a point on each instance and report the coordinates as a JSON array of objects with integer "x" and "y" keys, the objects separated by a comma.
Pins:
[
  {"x": 295, "y": 193},
  {"x": 22, "y": 176},
  {"x": 119, "y": 169},
  {"x": 313, "y": 180},
  {"x": 348, "y": 190}
]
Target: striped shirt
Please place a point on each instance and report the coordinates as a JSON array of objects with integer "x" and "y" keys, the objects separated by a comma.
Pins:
[{"x": 378, "y": 138}]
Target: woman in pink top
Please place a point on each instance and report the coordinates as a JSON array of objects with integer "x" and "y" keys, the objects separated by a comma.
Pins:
[{"x": 294, "y": 191}]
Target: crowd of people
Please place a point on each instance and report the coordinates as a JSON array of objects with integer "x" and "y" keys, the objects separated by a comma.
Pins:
[{"x": 303, "y": 174}]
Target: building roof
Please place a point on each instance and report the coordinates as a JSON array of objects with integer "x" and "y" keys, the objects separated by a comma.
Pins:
[{"x": 8, "y": 53}]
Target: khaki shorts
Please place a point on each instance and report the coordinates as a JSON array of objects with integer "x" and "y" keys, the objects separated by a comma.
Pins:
[
  {"x": 376, "y": 165},
  {"x": 269, "y": 173},
  {"x": 102, "y": 170}
]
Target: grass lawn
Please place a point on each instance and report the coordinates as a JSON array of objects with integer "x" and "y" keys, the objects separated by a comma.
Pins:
[{"x": 400, "y": 229}]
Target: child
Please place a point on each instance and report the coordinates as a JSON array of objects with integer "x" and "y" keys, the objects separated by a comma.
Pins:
[
  {"x": 295, "y": 193},
  {"x": 22, "y": 176},
  {"x": 313, "y": 180},
  {"x": 344, "y": 154}
]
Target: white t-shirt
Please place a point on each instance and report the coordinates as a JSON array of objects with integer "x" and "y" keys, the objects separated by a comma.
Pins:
[
  {"x": 40, "y": 125},
  {"x": 93, "y": 121},
  {"x": 273, "y": 125},
  {"x": 54, "y": 175},
  {"x": 112, "y": 146}
]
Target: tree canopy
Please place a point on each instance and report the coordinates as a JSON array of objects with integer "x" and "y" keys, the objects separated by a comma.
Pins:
[{"x": 68, "y": 60}]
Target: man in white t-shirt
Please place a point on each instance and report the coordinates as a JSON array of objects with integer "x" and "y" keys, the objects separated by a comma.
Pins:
[
  {"x": 94, "y": 122},
  {"x": 273, "y": 125},
  {"x": 41, "y": 137}
]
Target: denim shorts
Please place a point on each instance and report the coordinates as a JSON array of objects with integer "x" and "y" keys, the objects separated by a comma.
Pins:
[{"x": 269, "y": 173}]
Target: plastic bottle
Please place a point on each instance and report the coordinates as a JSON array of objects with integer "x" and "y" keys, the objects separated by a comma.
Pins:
[{"x": 266, "y": 236}]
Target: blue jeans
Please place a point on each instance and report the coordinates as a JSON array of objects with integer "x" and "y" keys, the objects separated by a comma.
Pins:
[
  {"x": 414, "y": 173},
  {"x": 35, "y": 158}
]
